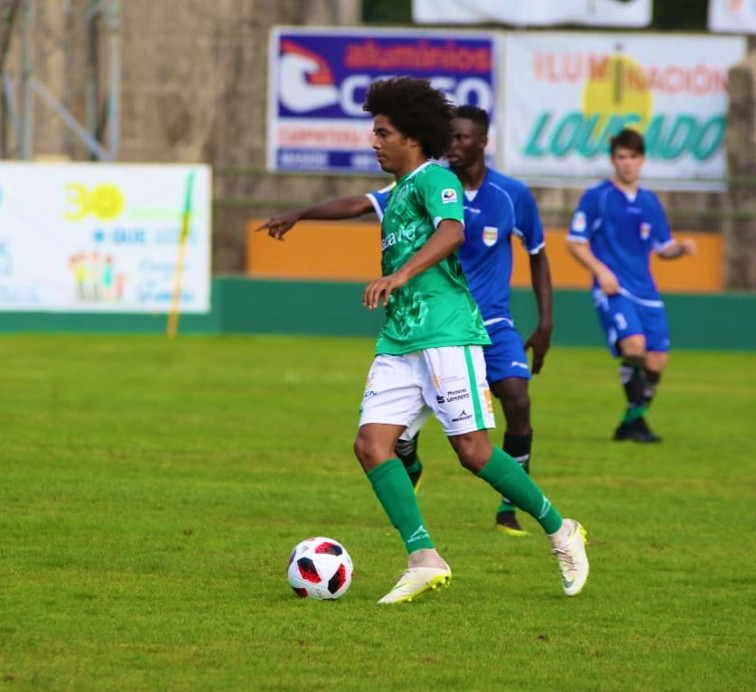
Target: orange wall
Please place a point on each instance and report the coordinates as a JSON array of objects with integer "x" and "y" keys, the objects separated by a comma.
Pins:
[{"x": 351, "y": 251}]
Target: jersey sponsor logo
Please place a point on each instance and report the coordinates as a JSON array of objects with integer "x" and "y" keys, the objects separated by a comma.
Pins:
[
  {"x": 579, "y": 223},
  {"x": 490, "y": 235},
  {"x": 448, "y": 195},
  {"x": 406, "y": 234},
  {"x": 457, "y": 394},
  {"x": 645, "y": 231},
  {"x": 461, "y": 417},
  {"x": 388, "y": 241}
]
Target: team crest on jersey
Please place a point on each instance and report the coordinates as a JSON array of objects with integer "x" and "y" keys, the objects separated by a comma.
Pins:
[
  {"x": 448, "y": 195},
  {"x": 645, "y": 231},
  {"x": 490, "y": 235},
  {"x": 579, "y": 222}
]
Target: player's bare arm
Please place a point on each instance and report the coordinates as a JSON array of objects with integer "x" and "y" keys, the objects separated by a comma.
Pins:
[
  {"x": 342, "y": 208},
  {"x": 607, "y": 281},
  {"x": 540, "y": 340},
  {"x": 676, "y": 249},
  {"x": 448, "y": 237}
]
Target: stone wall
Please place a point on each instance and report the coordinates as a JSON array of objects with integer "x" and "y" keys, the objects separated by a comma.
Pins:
[
  {"x": 195, "y": 89},
  {"x": 740, "y": 229}
]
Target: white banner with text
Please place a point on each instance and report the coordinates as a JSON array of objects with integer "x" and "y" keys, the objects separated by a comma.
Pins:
[
  {"x": 567, "y": 94},
  {"x": 635, "y": 13},
  {"x": 732, "y": 16},
  {"x": 104, "y": 238}
]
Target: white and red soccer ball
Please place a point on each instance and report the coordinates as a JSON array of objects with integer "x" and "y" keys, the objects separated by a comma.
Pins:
[{"x": 320, "y": 568}]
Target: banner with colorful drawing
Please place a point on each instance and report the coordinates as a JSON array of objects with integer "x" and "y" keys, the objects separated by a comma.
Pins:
[
  {"x": 318, "y": 79},
  {"x": 566, "y": 94},
  {"x": 103, "y": 238}
]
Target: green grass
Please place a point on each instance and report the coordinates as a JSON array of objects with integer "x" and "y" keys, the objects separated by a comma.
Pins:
[{"x": 151, "y": 491}]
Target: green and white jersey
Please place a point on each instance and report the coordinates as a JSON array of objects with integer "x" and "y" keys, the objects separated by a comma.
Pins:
[{"x": 435, "y": 308}]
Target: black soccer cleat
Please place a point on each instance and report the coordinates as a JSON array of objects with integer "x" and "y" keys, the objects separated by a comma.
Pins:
[
  {"x": 637, "y": 431},
  {"x": 507, "y": 523},
  {"x": 646, "y": 434}
]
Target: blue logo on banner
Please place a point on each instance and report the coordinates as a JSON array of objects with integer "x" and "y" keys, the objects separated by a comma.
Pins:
[{"x": 322, "y": 78}]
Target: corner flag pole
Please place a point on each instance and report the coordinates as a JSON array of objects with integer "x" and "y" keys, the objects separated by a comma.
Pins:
[{"x": 171, "y": 327}]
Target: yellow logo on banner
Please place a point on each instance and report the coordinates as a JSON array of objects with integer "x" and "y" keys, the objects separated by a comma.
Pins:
[
  {"x": 105, "y": 202},
  {"x": 618, "y": 86}
]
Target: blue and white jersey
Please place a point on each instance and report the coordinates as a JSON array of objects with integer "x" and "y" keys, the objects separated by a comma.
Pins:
[
  {"x": 622, "y": 231},
  {"x": 500, "y": 208}
]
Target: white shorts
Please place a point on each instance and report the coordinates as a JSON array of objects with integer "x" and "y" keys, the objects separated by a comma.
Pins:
[{"x": 449, "y": 381}]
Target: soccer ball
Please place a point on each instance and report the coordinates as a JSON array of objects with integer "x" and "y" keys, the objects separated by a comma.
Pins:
[{"x": 320, "y": 568}]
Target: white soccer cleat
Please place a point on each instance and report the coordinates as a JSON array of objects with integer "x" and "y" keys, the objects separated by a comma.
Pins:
[
  {"x": 417, "y": 581},
  {"x": 568, "y": 544}
]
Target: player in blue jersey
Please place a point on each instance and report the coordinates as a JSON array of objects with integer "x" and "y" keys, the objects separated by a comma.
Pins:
[{"x": 616, "y": 226}]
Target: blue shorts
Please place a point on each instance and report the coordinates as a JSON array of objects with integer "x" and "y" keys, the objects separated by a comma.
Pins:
[
  {"x": 621, "y": 317},
  {"x": 506, "y": 356}
]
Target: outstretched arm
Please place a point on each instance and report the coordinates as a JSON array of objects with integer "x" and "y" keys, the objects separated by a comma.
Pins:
[
  {"x": 342, "y": 208},
  {"x": 675, "y": 249},
  {"x": 607, "y": 281},
  {"x": 447, "y": 238},
  {"x": 540, "y": 339}
]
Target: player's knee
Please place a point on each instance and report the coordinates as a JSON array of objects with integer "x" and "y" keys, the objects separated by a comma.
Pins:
[
  {"x": 365, "y": 451},
  {"x": 517, "y": 413},
  {"x": 656, "y": 361},
  {"x": 473, "y": 453},
  {"x": 633, "y": 346}
]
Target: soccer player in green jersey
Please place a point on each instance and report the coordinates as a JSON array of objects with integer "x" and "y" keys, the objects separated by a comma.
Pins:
[{"x": 429, "y": 353}]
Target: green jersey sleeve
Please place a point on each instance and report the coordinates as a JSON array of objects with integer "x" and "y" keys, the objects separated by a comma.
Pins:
[{"x": 442, "y": 195}]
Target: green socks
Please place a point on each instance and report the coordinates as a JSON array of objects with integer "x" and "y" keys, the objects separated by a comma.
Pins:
[
  {"x": 394, "y": 491},
  {"x": 509, "y": 480},
  {"x": 392, "y": 486},
  {"x": 518, "y": 447},
  {"x": 633, "y": 413}
]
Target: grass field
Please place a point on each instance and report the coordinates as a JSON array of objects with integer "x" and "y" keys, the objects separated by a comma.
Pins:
[{"x": 150, "y": 493}]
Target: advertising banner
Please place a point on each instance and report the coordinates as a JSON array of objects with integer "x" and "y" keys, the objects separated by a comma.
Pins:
[
  {"x": 567, "y": 94},
  {"x": 103, "y": 238},
  {"x": 732, "y": 16},
  {"x": 539, "y": 13},
  {"x": 319, "y": 78}
]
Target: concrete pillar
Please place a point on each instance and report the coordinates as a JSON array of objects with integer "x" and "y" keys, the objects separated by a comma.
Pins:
[{"x": 740, "y": 229}]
